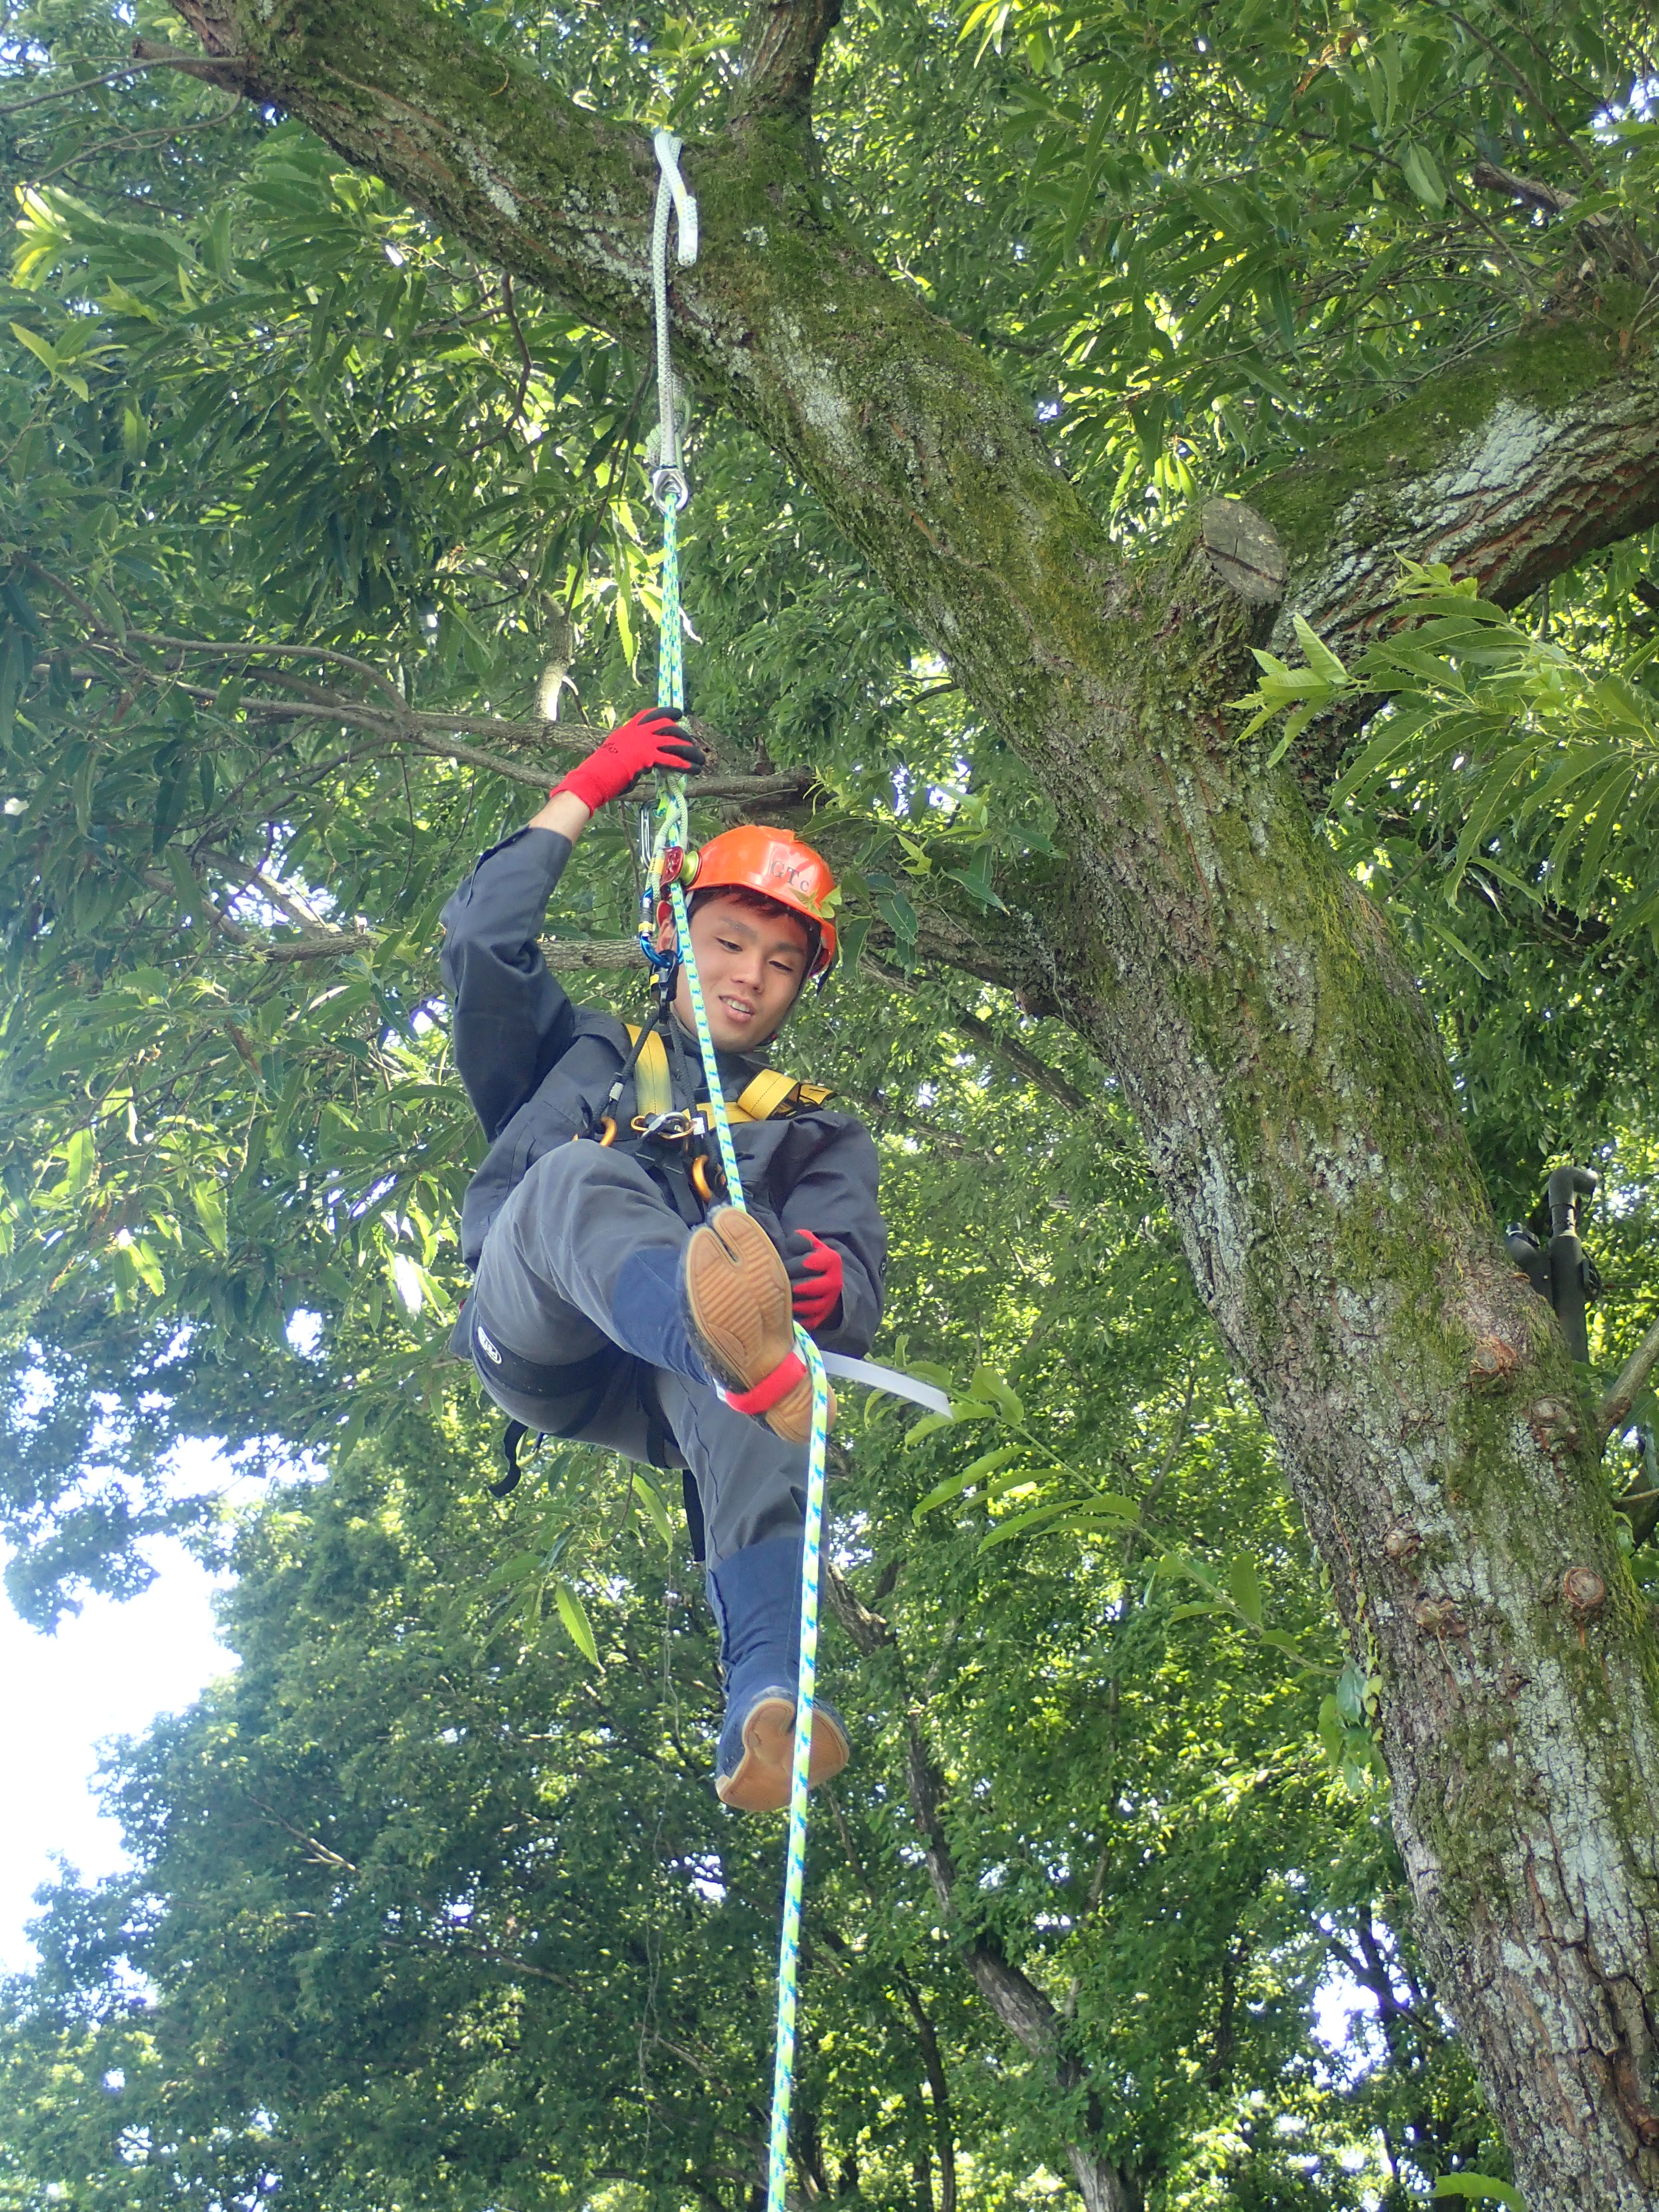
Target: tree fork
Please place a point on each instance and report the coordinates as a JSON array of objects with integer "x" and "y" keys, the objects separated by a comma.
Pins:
[{"x": 1266, "y": 1028}]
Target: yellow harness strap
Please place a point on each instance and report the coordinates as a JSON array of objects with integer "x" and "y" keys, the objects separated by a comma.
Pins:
[
  {"x": 769, "y": 1093},
  {"x": 653, "y": 1086}
]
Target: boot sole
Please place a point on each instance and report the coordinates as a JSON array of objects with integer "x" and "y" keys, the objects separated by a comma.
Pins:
[
  {"x": 741, "y": 1308},
  {"x": 760, "y": 1783}
]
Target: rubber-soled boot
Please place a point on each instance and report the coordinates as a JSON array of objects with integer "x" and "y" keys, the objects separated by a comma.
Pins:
[
  {"x": 756, "y": 1594},
  {"x": 738, "y": 1296}
]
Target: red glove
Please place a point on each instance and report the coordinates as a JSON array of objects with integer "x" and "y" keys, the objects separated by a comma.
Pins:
[
  {"x": 651, "y": 738},
  {"x": 815, "y": 1273}
]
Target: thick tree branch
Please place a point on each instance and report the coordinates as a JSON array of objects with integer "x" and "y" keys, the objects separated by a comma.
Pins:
[
  {"x": 783, "y": 43},
  {"x": 1632, "y": 1375},
  {"x": 1508, "y": 469}
]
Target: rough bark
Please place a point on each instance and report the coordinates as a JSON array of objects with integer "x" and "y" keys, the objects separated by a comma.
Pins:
[
  {"x": 1264, "y": 1026},
  {"x": 1508, "y": 469},
  {"x": 779, "y": 59}
]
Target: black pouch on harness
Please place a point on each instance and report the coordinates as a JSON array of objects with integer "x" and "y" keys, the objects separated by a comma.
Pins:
[{"x": 585, "y": 1379}]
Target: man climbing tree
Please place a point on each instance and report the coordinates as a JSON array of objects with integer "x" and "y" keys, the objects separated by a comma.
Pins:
[
  {"x": 1386, "y": 273},
  {"x": 615, "y": 1302}
]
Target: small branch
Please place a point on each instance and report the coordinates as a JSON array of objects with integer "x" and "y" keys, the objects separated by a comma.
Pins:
[
  {"x": 320, "y": 943},
  {"x": 1491, "y": 178},
  {"x": 145, "y": 57},
  {"x": 399, "y": 724},
  {"x": 223, "y": 73},
  {"x": 1610, "y": 1415},
  {"x": 321, "y": 1855},
  {"x": 299, "y": 911},
  {"x": 1024, "y": 1063},
  {"x": 211, "y": 913},
  {"x": 523, "y": 353}
]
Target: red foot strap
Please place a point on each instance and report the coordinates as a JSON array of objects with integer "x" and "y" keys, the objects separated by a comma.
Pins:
[{"x": 765, "y": 1394}]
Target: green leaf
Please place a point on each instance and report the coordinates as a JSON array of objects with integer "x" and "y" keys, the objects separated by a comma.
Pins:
[
  {"x": 1481, "y": 2186},
  {"x": 928, "y": 1424},
  {"x": 988, "y": 1463},
  {"x": 142, "y": 1253},
  {"x": 896, "y": 911},
  {"x": 1177, "y": 1563},
  {"x": 191, "y": 895},
  {"x": 987, "y": 1384},
  {"x": 80, "y": 1159},
  {"x": 573, "y": 1613},
  {"x": 1111, "y": 1504},
  {"x": 1246, "y": 1588},
  {"x": 209, "y": 1201},
  {"x": 1332, "y": 1733},
  {"x": 930, "y": 1370},
  {"x": 1022, "y": 1524},
  {"x": 850, "y": 943},
  {"x": 651, "y": 1498},
  {"x": 624, "y": 613},
  {"x": 1422, "y": 173},
  {"x": 1278, "y": 1641},
  {"x": 513, "y": 1571},
  {"x": 1351, "y": 1688},
  {"x": 42, "y": 349},
  {"x": 1322, "y": 661},
  {"x": 1190, "y": 1611}
]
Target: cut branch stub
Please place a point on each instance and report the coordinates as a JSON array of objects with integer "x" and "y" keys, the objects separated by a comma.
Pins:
[
  {"x": 1583, "y": 1588},
  {"x": 1244, "y": 550}
]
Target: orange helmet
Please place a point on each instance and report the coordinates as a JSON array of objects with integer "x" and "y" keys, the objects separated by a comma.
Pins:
[{"x": 776, "y": 864}]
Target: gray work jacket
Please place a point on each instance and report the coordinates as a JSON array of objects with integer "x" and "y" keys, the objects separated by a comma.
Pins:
[{"x": 538, "y": 1067}]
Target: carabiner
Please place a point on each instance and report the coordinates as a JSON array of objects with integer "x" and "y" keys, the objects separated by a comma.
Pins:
[
  {"x": 707, "y": 1180},
  {"x": 671, "y": 1129}
]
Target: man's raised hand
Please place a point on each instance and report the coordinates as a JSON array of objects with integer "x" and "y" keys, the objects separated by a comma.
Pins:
[{"x": 652, "y": 739}]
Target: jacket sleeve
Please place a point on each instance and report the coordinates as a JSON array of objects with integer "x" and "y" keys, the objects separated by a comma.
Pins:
[
  {"x": 836, "y": 1196},
  {"x": 511, "y": 1019}
]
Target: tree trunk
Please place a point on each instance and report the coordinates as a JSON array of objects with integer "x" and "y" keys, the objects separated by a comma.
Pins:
[{"x": 1271, "y": 1037}]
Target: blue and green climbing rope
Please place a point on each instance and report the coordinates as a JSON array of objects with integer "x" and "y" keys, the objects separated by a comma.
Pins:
[{"x": 671, "y": 833}]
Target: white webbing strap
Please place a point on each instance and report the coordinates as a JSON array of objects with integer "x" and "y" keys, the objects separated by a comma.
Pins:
[{"x": 669, "y": 474}]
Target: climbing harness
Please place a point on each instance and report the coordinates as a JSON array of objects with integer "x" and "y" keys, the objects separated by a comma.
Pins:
[
  {"x": 671, "y": 491},
  {"x": 675, "y": 1137}
]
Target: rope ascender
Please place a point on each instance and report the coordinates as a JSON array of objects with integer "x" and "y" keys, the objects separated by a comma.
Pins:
[{"x": 671, "y": 491}]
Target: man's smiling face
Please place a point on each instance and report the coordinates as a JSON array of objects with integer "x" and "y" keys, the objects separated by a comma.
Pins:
[{"x": 751, "y": 962}]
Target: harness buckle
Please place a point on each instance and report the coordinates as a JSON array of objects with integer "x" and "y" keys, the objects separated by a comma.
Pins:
[{"x": 674, "y": 1128}]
